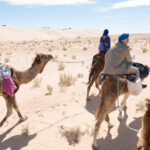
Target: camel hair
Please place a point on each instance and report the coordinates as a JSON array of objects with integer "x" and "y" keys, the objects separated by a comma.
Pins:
[
  {"x": 108, "y": 97},
  {"x": 23, "y": 77},
  {"x": 144, "y": 139}
]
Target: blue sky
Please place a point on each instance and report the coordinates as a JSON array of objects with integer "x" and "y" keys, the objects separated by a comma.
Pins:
[{"x": 132, "y": 16}]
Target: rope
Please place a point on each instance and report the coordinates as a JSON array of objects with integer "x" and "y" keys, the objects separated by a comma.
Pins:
[
  {"x": 82, "y": 61},
  {"x": 120, "y": 112}
]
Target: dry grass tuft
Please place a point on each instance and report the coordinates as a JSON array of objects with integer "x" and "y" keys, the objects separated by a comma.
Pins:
[
  {"x": 80, "y": 75},
  {"x": 72, "y": 135},
  {"x": 145, "y": 50},
  {"x": 66, "y": 80},
  {"x": 140, "y": 106},
  {"x": 37, "y": 81},
  {"x": 49, "y": 89},
  {"x": 61, "y": 67},
  {"x": 84, "y": 48},
  {"x": 55, "y": 58},
  {"x": 73, "y": 57}
]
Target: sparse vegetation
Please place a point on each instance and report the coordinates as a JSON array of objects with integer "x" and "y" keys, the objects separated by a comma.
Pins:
[
  {"x": 140, "y": 106},
  {"x": 49, "y": 49},
  {"x": 49, "y": 89},
  {"x": 55, "y": 58},
  {"x": 74, "y": 57},
  {"x": 65, "y": 55},
  {"x": 66, "y": 80},
  {"x": 61, "y": 67},
  {"x": 84, "y": 48},
  {"x": 145, "y": 50},
  {"x": 37, "y": 81},
  {"x": 6, "y": 60},
  {"x": 80, "y": 75},
  {"x": 72, "y": 135},
  {"x": 64, "y": 48}
]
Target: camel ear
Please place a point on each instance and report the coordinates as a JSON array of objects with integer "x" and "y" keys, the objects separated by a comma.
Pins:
[{"x": 37, "y": 59}]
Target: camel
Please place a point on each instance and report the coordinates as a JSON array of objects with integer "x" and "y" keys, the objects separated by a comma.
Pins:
[
  {"x": 108, "y": 97},
  {"x": 144, "y": 140},
  {"x": 23, "y": 77}
]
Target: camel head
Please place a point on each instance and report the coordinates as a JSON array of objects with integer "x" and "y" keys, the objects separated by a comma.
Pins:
[{"x": 41, "y": 60}]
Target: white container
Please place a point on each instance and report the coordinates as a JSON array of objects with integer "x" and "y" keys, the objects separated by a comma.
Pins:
[{"x": 134, "y": 88}]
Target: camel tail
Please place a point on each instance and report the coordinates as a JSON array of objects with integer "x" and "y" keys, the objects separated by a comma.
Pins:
[{"x": 91, "y": 73}]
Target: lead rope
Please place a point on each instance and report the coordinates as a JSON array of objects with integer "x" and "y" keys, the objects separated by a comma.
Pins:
[{"x": 120, "y": 113}]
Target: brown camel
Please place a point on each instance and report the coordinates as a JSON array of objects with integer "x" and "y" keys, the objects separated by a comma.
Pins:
[
  {"x": 95, "y": 70},
  {"x": 144, "y": 140},
  {"x": 108, "y": 97},
  {"x": 23, "y": 77}
]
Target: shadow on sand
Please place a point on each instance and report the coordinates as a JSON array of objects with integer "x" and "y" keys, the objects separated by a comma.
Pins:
[
  {"x": 91, "y": 106},
  {"x": 15, "y": 142},
  {"x": 126, "y": 139}
]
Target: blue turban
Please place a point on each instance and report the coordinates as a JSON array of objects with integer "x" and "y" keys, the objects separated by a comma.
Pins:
[
  {"x": 123, "y": 36},
  {"x": 105, "y": 32}
]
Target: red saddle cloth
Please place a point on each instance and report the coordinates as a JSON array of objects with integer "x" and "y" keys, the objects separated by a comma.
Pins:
[{"x": 8, "y": 86}]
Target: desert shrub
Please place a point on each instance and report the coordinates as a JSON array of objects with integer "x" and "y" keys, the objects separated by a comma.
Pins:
[{"x": 66, "y": 80}]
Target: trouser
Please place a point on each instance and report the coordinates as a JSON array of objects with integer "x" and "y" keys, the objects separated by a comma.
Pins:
[{"x": 133, "y": 70}]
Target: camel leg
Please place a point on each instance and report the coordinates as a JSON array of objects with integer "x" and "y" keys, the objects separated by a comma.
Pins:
[
  {"x": 107, "y": 120},
  {"x": 17, "y": 110},
  {"x": 103, "y": 110},
  {"x": 9, "y": 109},
  {"x": 123, "y": 104},
  {"x": 94, "y": 78},
  {"x": 96, "y": 84},
  {"x": 88, "y": 89}
]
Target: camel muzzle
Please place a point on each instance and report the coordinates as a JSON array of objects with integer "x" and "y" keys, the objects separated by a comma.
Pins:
[{"x": 50, "y": 57}]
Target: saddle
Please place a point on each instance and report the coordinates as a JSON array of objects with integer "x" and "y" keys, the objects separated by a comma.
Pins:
[{"x": 143, "y": 70}]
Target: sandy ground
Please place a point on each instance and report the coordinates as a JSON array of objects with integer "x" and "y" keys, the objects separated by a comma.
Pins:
[{"x": 63, "y": 120}]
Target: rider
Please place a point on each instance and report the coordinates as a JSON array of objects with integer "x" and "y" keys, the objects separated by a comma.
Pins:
[
  {"x": 104, "y": 45},
  {"x": 118, "y": 59}
]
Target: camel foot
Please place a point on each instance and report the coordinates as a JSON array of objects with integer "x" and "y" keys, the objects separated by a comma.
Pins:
[
  {"x": 95, "y": 146},
  {"x": 88, "y": 99},
  {"x": 110, "y": 125},
  {"x": 121, "y": 116},
  {"x": 23, "y": 119}
]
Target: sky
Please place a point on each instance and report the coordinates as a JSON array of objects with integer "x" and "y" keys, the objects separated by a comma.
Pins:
[{"x": 119, "y": 16}]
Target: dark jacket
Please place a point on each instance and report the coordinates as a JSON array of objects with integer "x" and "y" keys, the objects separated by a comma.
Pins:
[{"x": 105, "y": 43}]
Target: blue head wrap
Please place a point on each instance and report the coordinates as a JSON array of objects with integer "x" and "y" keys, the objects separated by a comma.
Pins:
[
  {"x": 105, "y": 32},
  {"x": 123, "y": 36}
]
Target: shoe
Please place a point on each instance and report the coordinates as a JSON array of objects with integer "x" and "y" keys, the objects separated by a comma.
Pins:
[{"x": 144, "y": 86}]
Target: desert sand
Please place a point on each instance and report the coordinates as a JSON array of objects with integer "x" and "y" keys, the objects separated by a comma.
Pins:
[{"x": 59, "y": 118}]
